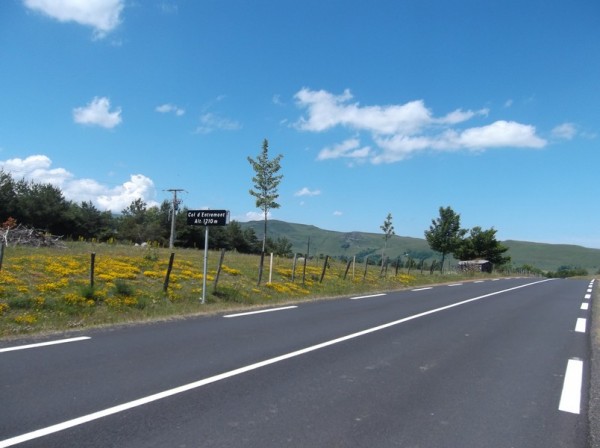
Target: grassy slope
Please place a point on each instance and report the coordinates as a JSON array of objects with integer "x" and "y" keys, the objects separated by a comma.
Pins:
[
  {"x": 552, "y": 256},
  {"x": 333, "y": 243},
  {"x": 544, "y": 256}
]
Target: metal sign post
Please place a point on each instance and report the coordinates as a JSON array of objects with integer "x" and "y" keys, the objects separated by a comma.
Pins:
[
  {"x": 205, "y": 265},
  {"x": 207, "y": 218}
]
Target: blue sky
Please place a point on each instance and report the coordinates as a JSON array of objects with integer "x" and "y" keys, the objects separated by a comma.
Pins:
[{"x": 388, "y": 106}]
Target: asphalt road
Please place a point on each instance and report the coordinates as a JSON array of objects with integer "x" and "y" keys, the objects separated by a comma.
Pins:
[{"x": 496, "y": 364}]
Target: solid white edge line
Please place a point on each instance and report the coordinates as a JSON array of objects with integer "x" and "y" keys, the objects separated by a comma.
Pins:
[
  {"x": 187, "y": 387},
  {"x": 570, "y": 398},
  {"x": 367, "y": 297},
  {"x": 580, "y": 325},
  {"x": 270, "y": 310},
  {"x": 43, "y": 344},
  {"x": 584, "y": 306}
]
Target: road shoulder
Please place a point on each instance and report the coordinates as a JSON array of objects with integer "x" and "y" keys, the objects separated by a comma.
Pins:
[{"x": 594, "y": 393}]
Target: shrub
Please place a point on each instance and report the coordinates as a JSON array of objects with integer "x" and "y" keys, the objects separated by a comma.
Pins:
[
  {"x": 21, "y": 303},
  {"x": 4, "y": 307},
  {"x": 123, "y": 288},
  {"x": 89, "y": 292}
]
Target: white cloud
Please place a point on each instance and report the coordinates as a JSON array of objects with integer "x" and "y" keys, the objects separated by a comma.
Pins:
[
  {"x": 97, "y": 113},
  {"x": 256, "y": 216},
  {"x": 501, "y": 134},
  {"x": 459, "y": 116},
  {"x": 400, "y": 131},
  {"x": 169, "y": 7},
  {"x": 399, "y": 147},
  {"x": 307, "y": 192},
  {"x": 167, "y": 108},
  {"x": 277, "y": 100},
  {"x": 38, "y": 168},
  {"x": 326, "y": 110},
  {"x": 120, "y": 197},
  {"x": 349, "y": 148},
  {"x": 210, "y": 122},
  {"x": 564, "y": 131},
  {"x": 496, "y": 135},
  {"x": 102, "y": 15},
  {"x": 337, "y": 213}
]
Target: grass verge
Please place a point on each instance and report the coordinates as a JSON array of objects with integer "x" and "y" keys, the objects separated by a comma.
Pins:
[{"x": 53, "y": 289}]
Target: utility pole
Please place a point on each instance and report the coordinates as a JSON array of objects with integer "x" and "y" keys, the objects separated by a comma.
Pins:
[{"x": 173, "y": 214}]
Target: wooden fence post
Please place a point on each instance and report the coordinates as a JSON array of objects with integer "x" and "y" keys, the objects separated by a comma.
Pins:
[
  {"x": 347, "y": 268},
  {"x": 324, "y": 268},
  {"x": 92, "y": 267},
  {"x": 166, "y": 284},
  {"x": 221, "y": 258},
  {"x": 304, "y": 269},
  {"x": 366, "y": 266},
  {"x": 1, "y": 253},
  {"x": 294, "y": 267}
]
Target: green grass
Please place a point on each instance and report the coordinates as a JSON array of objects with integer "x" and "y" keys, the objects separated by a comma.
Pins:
[{"x": 50, "y": 289}]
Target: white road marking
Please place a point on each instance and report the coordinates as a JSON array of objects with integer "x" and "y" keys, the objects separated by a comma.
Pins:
[
  {"x": 270, "y": 310},
  {"x": 422, "y": 289},
  {"x": 570, "y": 398},
  {"x": 43, "y": 344},
  {"x": 589, "y": 290},
  {"x": 580, "y": 325},
  {"x": 367, "y": 297},
  {"x": 187, "y": 387},
  {"x": 587, "y": 296},
  {"x": 584, "y": 306},
  {"x": 456, "y": 284},
  {"x": 479, "y": 281}
]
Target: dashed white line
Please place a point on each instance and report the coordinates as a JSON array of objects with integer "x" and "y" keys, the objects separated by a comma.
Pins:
[
  {"x": 367, "y": 297},
  {"x": 455, "y": 284},
  {"x": 570, "y": 398},
  {"x": 479, "y": 281},
  {"x": 270, "y": 310},
  {"x": 422, "y": 289},
  {"x": 580, "y": 325},
  {"x": 587, "y": 296},
  {"x": 584, "y": 306},
  {"x": 43, "y": 344}
]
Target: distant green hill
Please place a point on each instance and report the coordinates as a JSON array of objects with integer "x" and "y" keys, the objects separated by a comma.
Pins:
[
  {"x": 552, "y": 256},
  {"x": 548, "y": 257}
]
